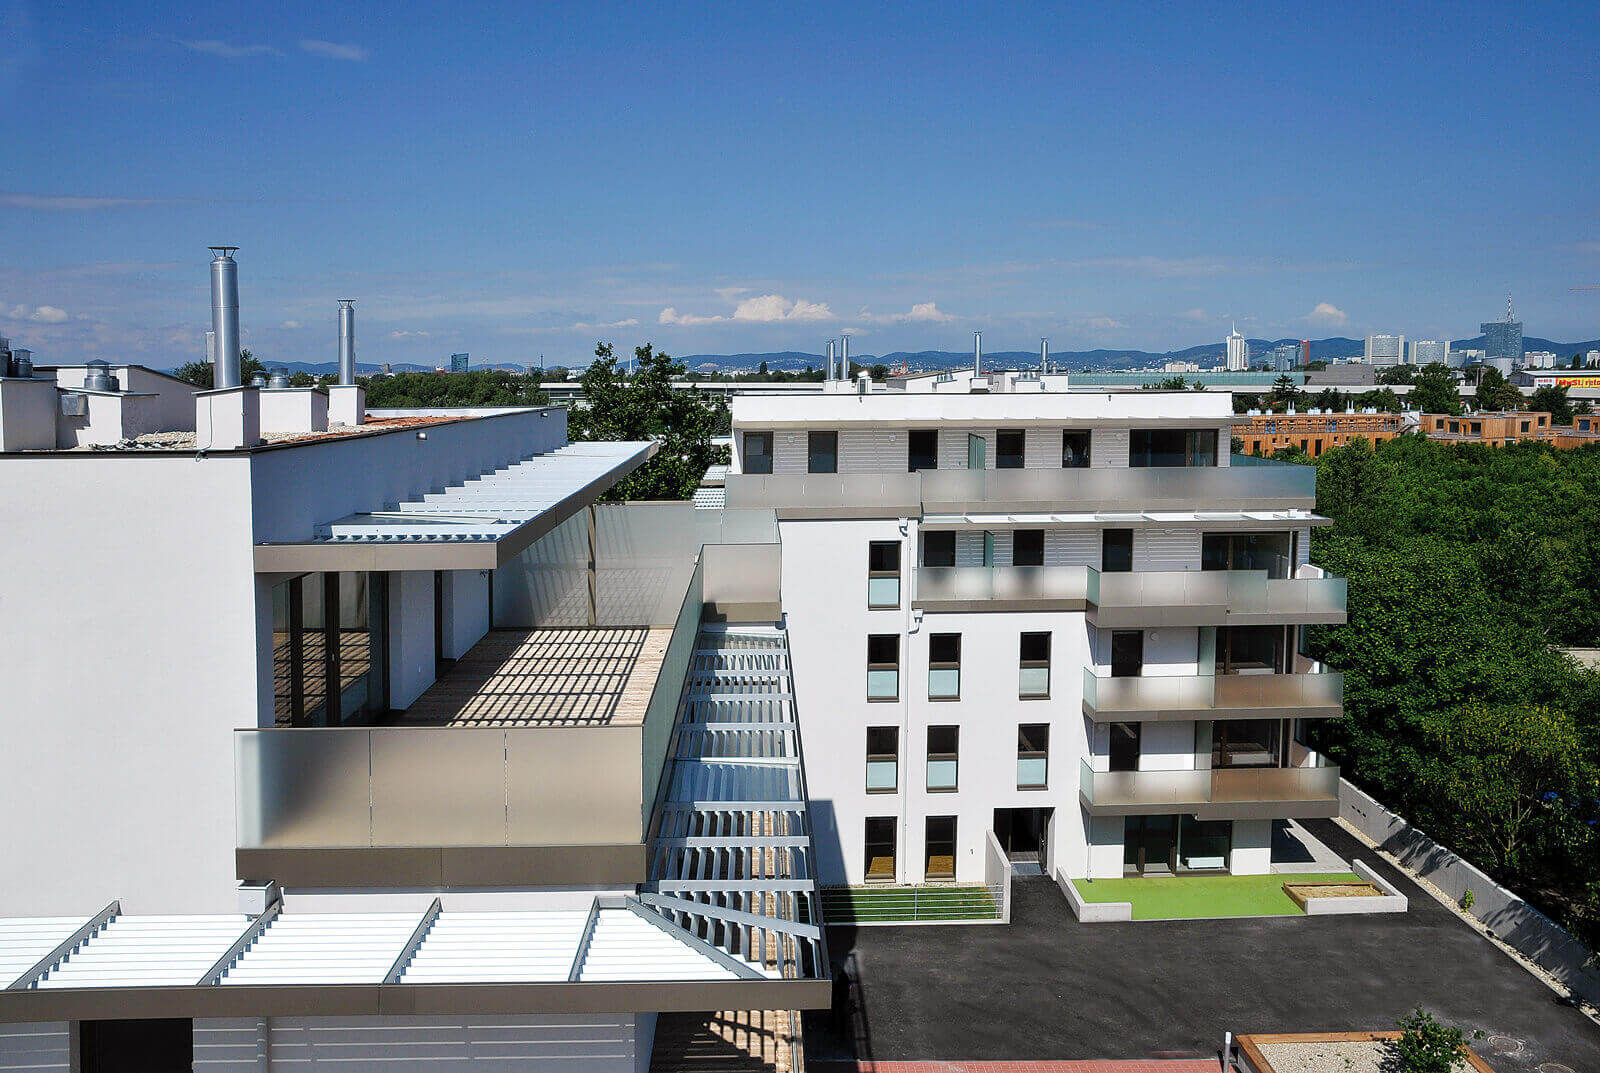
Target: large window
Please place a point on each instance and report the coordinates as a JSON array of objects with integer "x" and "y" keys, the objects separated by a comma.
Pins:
[
  {"x": 880, "y": 845},
  {"x": 939, "y": 548},
  {"x": 1246, "y": 743},
  {"x": 883, "y": 666},
  {"x": 329, "y": 657},
  {"x": 1033, "y": 756},
  {"x": 883, "y": 760},
  {"x": 1172, "y": 447},
  {"x": 757, "y": 452},
  {"x": 940, "y": 843},
  {"x": 1075, "y": 449},
  {"x": 822, "y": 452},
  {"x": 1246, "y": 551},
  {"x": 1033, "y": 676},
  {"x": 1127, "y": 653},
  {"x": 1008, "y": 448},
  {"x": 1116, "y": 551},
  {"x": 943, "y": 759},
  {"x": 883, "y": 573},
  {"x": 1027, "y": 547},
  {"x": 922, "y": 449},
  {"x": 944, "y": 666},
  {"x": 1250, "y": 650}
]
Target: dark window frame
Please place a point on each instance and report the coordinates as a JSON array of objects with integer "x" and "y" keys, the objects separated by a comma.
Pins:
[
  {"x": 952, "y": 755},
  {"x": 829, "y": 453},
  {"x": 1026, "y": 662},
  {"x": 880, "y": 757},
  {"x": 760, "y": 469},
  {"x": 1038, "y": 748},
  {"x": 917, "y": 460},
  {"x": 1032, "y": 535},
  {"x": 1010, "y": 438}
]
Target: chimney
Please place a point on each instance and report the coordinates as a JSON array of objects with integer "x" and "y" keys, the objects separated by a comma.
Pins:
[
  {"x": 844, "y": 358},
  {"x": 225, "y": 316},
  {"x": 1044, "y": 356},
  {"x": 977, "y": 353},
  {"x": 347, "y": 342},
  {"x": 829, "y": 375}
]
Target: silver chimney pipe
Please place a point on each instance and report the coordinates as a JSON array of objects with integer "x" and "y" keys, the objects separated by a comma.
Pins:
[
  {"x": 829, "y": 376},
  {"x": 977, "y": 353},
  {"x": 225, "y": 316},
  {"x": 347, "y": 341},
  {"x": 1044, "y": 356},
  {"x": 844, "y": 358}
]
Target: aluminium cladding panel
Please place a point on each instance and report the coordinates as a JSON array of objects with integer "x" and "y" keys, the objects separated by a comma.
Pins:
[
  {"x": 440, "y": 786},
  {"x": 303, "y": 787},
  {"x": 37, "y": 1047},
  {"x": 492, "y": 1044},
  {"x": 144, "y": 561},
  {"x": 575, "y": 785}
]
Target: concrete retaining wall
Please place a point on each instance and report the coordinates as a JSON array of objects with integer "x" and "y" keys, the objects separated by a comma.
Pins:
[
  {"x": 1092, "y": 912},
  {"x": 1507, "y": 916}
]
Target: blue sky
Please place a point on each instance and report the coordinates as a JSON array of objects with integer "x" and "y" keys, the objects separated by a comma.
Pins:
[{"x": 517, "y": 179}]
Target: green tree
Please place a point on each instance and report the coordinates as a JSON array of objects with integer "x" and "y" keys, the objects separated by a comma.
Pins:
[
  {"x": 202, "y": 374},
  {"x": 1552, "y": 400},
  {"x": 644, "y": 405},
  {"x": 1496, "y": 393},
  {"x": 1398, "y": 374},
  {"x": 481, "y": 387},
  {"x": 1329, "y": 398},
  {"x": 1384, "y": 400},
  {"x": 1435, "y": 391},
  {"x": 1283, "y": 394}
]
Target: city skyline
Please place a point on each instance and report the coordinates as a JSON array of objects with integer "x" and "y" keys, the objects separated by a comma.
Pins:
[{"x": 726, "y": 183}]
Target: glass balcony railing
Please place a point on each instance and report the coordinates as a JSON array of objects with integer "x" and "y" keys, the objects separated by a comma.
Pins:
[
  {"x": 1213, "y": 696},
  {"x": 1201, "y": 597},
  {"x": 1155, "y": 792},
  {"x": 951, "y": 584}
]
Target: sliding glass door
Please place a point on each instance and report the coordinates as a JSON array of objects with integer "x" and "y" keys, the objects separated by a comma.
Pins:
[{"x": 329, "y": 656}]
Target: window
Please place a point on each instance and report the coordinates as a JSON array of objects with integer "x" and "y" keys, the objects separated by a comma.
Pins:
[
  {"x": 330, "y": 653},
  {"x": 880, "y": 849},
  {"x": 1170, "y": 447},
  {"x": 757, "y": 452},
  {"x": 977, "y": 451},
  {"x": 944, "y": 666},
  {"x": 1318, "y": 450},
  {"x": 1246, "y": 742},
  {"x": 1127, "y": 653},
  {"x": 940, "y": 841},
  {"x": 1203, "y": 845},
  {"x": 883, "y": 760},
  {"x": 1075, "y": 449},
  {"x": 1008, "y": 448},
  {"x": 1116, "y": 551},
  {"x": 988, "y": 548},
  {"x": 883, "y": 573},
  {"x": 1477, "y": 428},
  {"x": 883, "y": 666},
  {"x": 1033, "y": 756},
  {"x": 1027, "y": 547},
  {"x": 822, "y": 452},
  {"x": 1525, "y": 425},
  {"x": 1246, "y": 551},
  {"x": 1250, "y": 649},
  {"x": 922, "y": 449},
  {"x": 1033, "y": 677},
  {"x": 942, "y": 758},
  {"x": 939, "y": 548}
]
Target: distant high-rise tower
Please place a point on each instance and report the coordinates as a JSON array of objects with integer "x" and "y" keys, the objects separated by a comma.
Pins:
[
  {"x": 1305, "y": 352},
  {"x": 1238, "y": 352},
  {"x": 1430, "y": 351},
  {"x": 1285, "y": 356},
  {"x": 1385, "y": 349},
  {"x": 458, "y": 363},
  {"x": 1503, "y": 338}
]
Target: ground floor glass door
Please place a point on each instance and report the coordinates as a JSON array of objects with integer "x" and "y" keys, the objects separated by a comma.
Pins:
[{"x": 1150, "y": 845}]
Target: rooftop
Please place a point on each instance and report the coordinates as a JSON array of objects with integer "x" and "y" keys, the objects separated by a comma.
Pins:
[{"x": 549, "y": 677}]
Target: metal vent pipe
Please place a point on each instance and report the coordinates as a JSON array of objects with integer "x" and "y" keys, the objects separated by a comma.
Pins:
[
  {"x": 977, "y": 353},
  {"x": 347, "y": 341},
  {"x": 829, "y": 375},
  {"x": 225, "y": 316},
  {"x": 844, "y": 358}
]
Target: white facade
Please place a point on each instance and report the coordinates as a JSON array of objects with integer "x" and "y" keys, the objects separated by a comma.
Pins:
[
  {"x": 1385, "y": 349},
  {"x": 1238, "y": 358},
  {"x": 1429, "y": 351}
]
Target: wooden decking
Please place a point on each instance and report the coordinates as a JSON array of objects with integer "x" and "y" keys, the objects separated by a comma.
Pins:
[{"x": 555, "y": 677}]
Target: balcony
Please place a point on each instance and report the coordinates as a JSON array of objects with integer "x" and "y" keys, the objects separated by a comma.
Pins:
[
  {"x": 1216, "y": 794},
  {"x": 1002, "y": 588},
  {"x": 957, "y": 491},
  {"x": 1215, "y": 598},
  {"x": 1213, "y": 696}
]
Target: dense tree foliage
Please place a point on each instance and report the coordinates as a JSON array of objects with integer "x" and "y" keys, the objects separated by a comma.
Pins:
[
  {"x": 1434, "y": 391},
  {"x": 1496, "y": 393},
  {"x": 487, "y": 387},
  {"x": 643, "y": 405},
  {"x": 1553, "y": 401},
  {"x": 202, "y": 374},
  {"x": 1468, "y": 566}
]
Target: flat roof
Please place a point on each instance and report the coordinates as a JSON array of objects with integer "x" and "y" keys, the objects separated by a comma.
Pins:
[
  {"x": 888, "y": 409},
  {"x": 600, "y": 676},
  {"x": 478, "y": 524}
]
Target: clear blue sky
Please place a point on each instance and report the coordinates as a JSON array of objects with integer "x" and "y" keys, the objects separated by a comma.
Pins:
[{"x": 522, "y": 178}]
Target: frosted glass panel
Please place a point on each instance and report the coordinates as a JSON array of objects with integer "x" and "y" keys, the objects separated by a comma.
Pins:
[{"x": 944, "y": 682}]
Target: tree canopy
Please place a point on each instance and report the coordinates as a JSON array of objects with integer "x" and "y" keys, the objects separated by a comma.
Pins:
[
  {"x": 1496, "y": 393},
  {"x": 202, "y": 374},
  {"x": 484, "y": 387},
  {"x": 1434, "y": 391}
]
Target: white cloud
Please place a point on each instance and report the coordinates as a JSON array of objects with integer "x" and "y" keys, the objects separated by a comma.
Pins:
[
  {"x": 764, "y": 309},
  {"x": 230, "y": 52},
  {"x": 1328, "y": 314},
  {"x": 38, "y": 314},
  {"x": 1103, "y": 323},
  {"x": 920, "y": 313},
  {"x": 291, "y": 324},
  {"x": 330, "y": 50},
  {"x": 587, "y": 326},
  {"x": 404, "y": 334},
  {"x": 1199, "y": 316},
  {"x": 728, "y": 294}
]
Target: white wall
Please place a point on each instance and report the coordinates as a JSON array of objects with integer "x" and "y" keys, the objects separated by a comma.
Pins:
[
  {"x": 466, "y": 611},
  {"x": 411, "y": 653},
  {"x": 598, "y": 1043},
  {"x": 1252, "y": 848},
  {"x": 128, "y": 652},
  {"x": 37, "y": 1047},
  {"x": 1105, "y": 849}
]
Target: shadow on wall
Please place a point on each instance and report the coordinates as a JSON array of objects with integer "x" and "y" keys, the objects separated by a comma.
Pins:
[{"x": 846, "y": 1022}]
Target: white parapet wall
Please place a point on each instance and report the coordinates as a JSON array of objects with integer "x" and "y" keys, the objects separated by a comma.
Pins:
[{"x": 1092, "y": 912}]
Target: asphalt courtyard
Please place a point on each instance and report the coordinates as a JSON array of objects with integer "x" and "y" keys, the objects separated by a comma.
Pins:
[{"x": 1047, "y": 987}]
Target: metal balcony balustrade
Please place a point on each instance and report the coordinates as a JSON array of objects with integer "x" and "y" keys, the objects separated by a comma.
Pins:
[
  {"x": 1216, "y": 793},
  {"x": 1213, "y": 696}
]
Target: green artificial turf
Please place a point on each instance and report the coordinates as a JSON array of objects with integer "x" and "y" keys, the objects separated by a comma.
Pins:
[
  {"x": 858, "y": 904},
  {"x": 1198, "y": 897}
]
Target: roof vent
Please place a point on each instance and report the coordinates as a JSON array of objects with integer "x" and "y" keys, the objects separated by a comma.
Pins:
[
  {"x": 280, "y": 378},
  {"x": 96, "y": 377},
  {"x": 258, "y": 380}
]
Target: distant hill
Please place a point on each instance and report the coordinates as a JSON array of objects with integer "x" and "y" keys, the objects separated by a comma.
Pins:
[{"x": 1532, "y": 343}]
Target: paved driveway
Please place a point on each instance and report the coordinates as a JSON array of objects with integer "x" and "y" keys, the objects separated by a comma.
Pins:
[{"x": 1047, "y": 987}]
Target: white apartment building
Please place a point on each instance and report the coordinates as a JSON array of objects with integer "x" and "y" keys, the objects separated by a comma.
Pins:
[
  {"x": 377, "y": 743},
  {"x": 1062, "y": 617},
  {"x": 1384, "y": 349}
]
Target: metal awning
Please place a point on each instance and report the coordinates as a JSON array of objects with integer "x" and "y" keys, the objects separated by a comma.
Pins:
[
  {"x": 615, "y": 956},
  {"x": 476, "y": 525},
  {"x": 1205, "y": 519}
]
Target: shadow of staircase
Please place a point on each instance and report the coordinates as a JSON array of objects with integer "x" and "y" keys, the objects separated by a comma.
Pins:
[{"x": 754, "y": 1041}]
